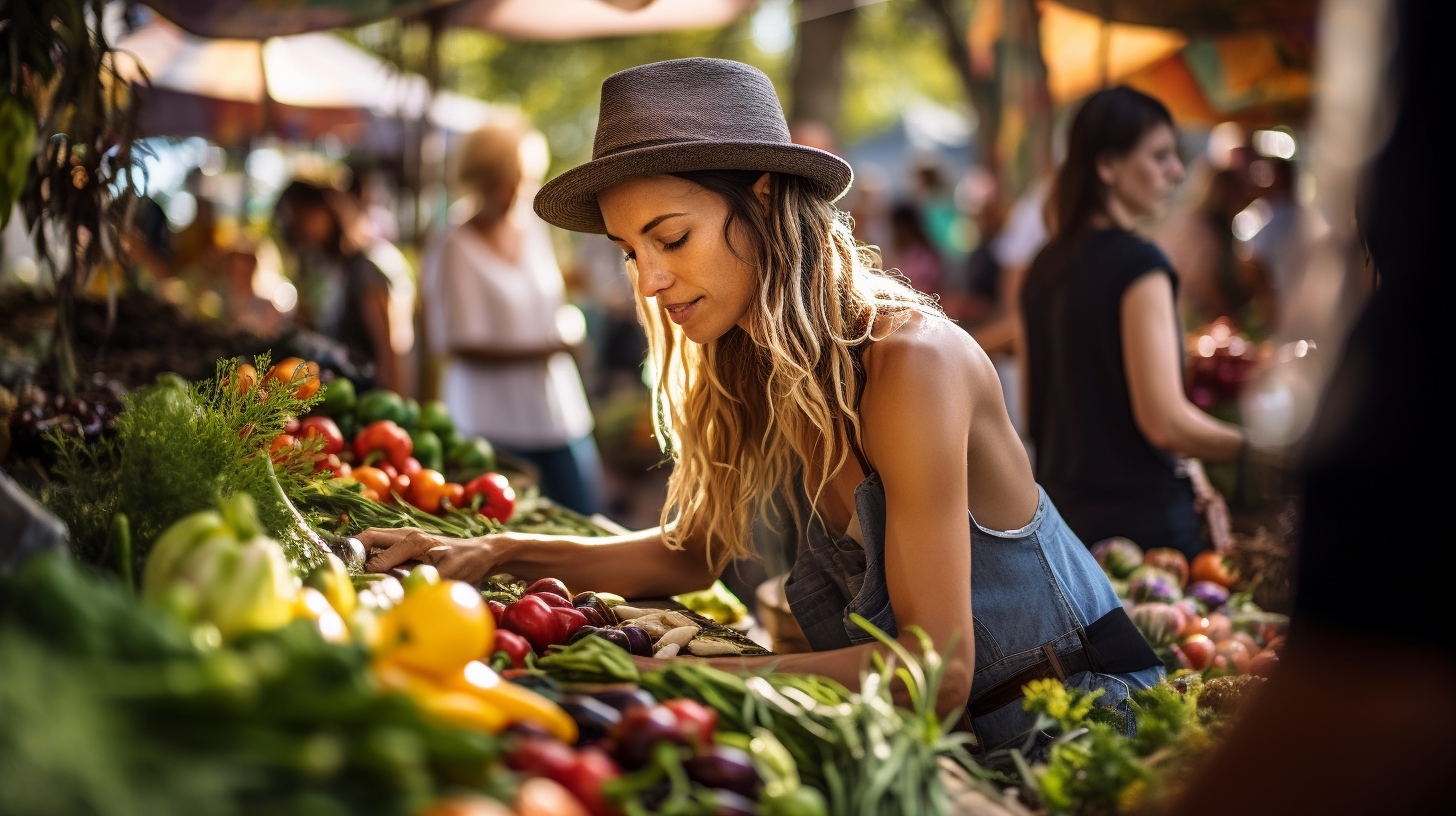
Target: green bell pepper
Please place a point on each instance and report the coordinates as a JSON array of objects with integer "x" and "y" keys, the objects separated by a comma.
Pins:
[
  {"x": 411, "y": 419},
  {"x": 428, "y": 450},
  {"x": 339, "y": 398},
  {"x": 469, "y": 458},
  {"x": 380, "y": 404},
  {"x": 434, "y": 416}
]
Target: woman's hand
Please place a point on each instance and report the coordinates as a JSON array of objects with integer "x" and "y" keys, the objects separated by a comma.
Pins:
[
  {"x": 462, "y": 559},
  {"x": 1209, "y": 503}
]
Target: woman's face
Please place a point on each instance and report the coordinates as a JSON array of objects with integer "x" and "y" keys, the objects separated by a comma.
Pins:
[
  {"x": 1141, "y": 181},
  {"x": 313, "y": 227},
  {"x": 673, "y": 230}
]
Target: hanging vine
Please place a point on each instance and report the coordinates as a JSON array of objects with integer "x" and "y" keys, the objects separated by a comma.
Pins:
[{"x": 67, "y": 126}]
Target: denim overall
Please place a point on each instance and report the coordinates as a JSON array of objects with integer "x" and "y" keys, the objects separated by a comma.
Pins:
[{"x": 1035, "y": 592}]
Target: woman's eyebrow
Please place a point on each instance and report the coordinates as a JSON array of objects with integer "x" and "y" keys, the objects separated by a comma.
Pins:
[{"x": 648, "y": 227}]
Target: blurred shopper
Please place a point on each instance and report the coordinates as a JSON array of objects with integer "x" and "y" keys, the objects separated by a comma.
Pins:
[
  {"x": 1366, "y": 471},
  {"x": 496, "y": 291},
  {"x": 1104, "y": 346},
  {"x": 1273, "y": 255},
  {"x": 244, "y": 310},
  {"x": 1199, "y": 243},
  {"x": 343, "y": 293},
  {"x": 912, "y": 252}
]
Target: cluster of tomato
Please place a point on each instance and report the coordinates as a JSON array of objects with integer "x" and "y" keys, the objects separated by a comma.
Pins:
[{"x": 379, "y": 458}]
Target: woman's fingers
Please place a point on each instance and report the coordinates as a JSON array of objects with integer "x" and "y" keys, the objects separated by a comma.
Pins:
[{"x": 390, "y": 548}]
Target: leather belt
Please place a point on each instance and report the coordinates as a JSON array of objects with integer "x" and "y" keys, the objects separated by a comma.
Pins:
[{"x": 1111, "y": 644}]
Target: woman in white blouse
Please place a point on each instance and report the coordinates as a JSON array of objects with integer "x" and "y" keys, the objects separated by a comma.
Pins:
[{"x": 495, "y": 291}]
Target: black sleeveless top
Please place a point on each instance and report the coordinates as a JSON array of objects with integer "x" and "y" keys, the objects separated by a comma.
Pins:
[{"x": 1103, "y": 474}]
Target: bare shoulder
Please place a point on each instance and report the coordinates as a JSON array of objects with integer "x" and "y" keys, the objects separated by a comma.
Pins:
[{"x": 918, "y": 349}]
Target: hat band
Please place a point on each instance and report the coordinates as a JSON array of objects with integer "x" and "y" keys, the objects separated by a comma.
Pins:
[{"x": 670, "y": 141}]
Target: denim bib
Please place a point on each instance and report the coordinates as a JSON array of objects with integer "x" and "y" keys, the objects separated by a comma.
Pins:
[{"x": 1033, "y": 587}]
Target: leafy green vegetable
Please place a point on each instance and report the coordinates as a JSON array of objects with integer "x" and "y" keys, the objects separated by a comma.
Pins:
[
  {"x": 864, "y": 753},
  {"x": 1091, "y": 768},
  {"x": 108, "y": 706},
  {"x": 178, "y": 448}
]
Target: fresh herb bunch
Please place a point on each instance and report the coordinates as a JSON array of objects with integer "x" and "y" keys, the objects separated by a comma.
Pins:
[
  {"x": 863, "y": 752},
  {"x": 178, "y": 447},
  {"x": 1092, "y": 768}
]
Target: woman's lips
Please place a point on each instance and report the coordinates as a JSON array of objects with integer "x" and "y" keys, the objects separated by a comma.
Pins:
[{"x": 680, "y": 313}]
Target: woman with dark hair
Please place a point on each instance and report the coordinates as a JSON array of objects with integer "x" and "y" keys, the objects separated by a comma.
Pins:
[
  {"x": 1103, "y": 344},
  {"x": 790, "y": 367},
  {"x": 342, "y": 293}
]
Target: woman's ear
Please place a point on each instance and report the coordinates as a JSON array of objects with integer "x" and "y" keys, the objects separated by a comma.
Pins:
[
  {"x": 1107, "y": 170},
  {"x": 761, "y": 188}
]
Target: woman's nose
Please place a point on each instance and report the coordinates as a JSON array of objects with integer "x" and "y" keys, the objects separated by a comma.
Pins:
[{"x": 651, "y": 277}]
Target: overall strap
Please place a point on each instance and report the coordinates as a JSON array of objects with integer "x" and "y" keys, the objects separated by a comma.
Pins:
[{"x": 856, "y": 356}]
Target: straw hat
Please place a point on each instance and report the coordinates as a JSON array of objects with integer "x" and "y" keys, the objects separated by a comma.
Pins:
[{"x": 681, "y": 115}]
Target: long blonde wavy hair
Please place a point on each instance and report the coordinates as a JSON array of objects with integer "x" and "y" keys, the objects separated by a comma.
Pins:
[{"x": 745, "y": 415}]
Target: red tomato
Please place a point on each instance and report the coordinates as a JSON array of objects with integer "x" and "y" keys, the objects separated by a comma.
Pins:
[
  {"x": 409, "y": 466},
  {"x": 373, "y": 479},
  {"x": 1264, "y": 663},
  {"x": 327, "y": 429},
  {"x": 696, "y": 720},
  {"x": 1229, "y": 657},
  {"x": 1199, "y": 651},
  {"x": 426, "y": 490},
  {"x": 499, "y": 497},
  {"x": 282, "y": 448},
  {"x": 454, "y": 494}
]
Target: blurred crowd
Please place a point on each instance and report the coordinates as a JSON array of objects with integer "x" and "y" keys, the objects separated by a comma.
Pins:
[{"x": 490, "y": 293}]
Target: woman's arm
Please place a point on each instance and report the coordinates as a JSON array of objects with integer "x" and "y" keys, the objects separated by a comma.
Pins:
[
  {"x": 638, "y": 565},
  {"x": 1151, "y": 355},
  {"x": 917, "y": 410},
  {"x": 375, "y": 314}
]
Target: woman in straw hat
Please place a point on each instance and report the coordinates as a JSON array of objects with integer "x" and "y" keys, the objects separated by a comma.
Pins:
[{"x": 788, "y": 364}]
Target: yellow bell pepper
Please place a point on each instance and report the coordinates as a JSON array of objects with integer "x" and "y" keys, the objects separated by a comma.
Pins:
[{"x": 520, "y": 704}]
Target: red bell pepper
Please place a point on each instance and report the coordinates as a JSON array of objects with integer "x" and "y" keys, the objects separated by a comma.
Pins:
[
  {"x": 514, "y": 646},
  {"x": 551, "y": 585},
  {"x": 552, "y": 599},
  {"x": 585, "y": 778},
  {"x": 496, "y": 610},
  {"x": 383, "y": 438},
  {"x": 532, "y": 619},
  {"x": 696, "y": 720},
  {"x": 570, "y": 619},
  {"x": 322, "y": 426},
  {"x": 499, "y": 497}
]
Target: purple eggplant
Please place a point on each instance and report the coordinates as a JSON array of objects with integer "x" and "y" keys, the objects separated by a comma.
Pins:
[
  {"x": 594, "y": 719},
  {"x": 724, "y": 768},
  {"x": 625, "y": 699},
  {"x": 592, "y": 616},
  {"x": 1208, "y": 594},
  {"x": 639, "y": 642},
  {"x": 610, "y": 635},
  {"x": 639, "y": 731},
  {"x": 589, "y": 600}
]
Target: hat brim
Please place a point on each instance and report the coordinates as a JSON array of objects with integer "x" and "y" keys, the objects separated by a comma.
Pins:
[{"x": 570, "y": 200}]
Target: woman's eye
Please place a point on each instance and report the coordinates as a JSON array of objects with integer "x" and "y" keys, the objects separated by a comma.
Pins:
[{"x": 679, "y": 242}]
